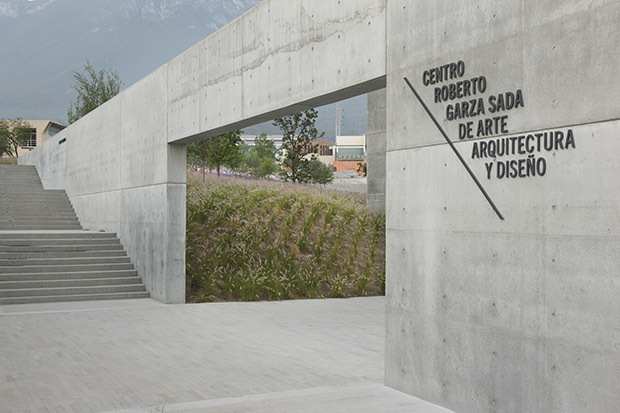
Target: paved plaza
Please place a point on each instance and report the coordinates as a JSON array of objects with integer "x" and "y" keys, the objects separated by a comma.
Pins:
[{"x": 143, "y": 356}]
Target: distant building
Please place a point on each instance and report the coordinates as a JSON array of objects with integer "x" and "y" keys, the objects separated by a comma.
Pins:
[
  {"x": 350, "y": 150},
  {"x": 326, "y": 152},
  {"x": 41, "y": 131},
  {"x": 250, "y": 140},
  {"x": 343, "y": 156}
]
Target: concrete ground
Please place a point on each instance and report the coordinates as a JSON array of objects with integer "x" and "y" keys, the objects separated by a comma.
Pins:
[
  {"x": 357, "y": 184},
  {"x": 143, "y": 356}
]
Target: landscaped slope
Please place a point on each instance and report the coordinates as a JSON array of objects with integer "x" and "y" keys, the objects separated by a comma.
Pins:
[{"x": 262, "y": 240}]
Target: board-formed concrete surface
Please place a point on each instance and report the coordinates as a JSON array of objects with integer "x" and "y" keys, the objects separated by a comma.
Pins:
[
  {"x": 520, "y": 315},
  {"x": 375, "y": 149},
  {"x": 143, "y": 356}
]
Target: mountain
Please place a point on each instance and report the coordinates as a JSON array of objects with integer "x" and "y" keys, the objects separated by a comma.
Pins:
[{"x": 44, "y": 41}]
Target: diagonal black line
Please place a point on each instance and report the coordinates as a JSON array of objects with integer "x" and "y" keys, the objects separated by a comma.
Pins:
[{"x": 488, "y": 198}]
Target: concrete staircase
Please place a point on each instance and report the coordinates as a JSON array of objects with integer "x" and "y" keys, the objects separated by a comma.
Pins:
[
  {"x": 25, "y": 205},
  {"x": 44, "y": 255}
]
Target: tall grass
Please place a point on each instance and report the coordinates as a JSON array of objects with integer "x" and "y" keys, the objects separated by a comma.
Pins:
[{"x": 262, "y": 240}]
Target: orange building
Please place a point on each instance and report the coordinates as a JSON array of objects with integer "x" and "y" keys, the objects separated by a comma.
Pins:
[{"x": 350, "y": 150}]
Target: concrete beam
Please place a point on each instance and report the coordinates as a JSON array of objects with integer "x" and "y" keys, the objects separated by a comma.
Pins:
[{"x": 278, "y": 59}]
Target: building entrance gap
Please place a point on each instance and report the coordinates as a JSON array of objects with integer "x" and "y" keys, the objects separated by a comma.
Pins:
[{"x": 346, "y": 156}]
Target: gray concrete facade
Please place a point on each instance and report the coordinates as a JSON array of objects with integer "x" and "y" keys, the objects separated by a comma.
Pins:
[
  {"x": 376, "y": 141},
  {"x": 518, "y": 315},
  {"x": 483, "y": 314}
]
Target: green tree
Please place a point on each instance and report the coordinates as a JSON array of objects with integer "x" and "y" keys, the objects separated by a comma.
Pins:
[
  {"x": 93, "y": 88},
  {"x": 362, "y": 168},
  {"x": 320, "y": 173},
  {"x": 14, "y": 133},
  {"x": 217, "y": 151},
  {"x": 261, "y": 158},
  {"x": 299, "y": 132}
]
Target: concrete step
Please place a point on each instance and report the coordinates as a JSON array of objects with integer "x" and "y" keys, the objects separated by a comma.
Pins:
[
  {"x": 38, "y": 194},
  {"x": 43, "y": 212},
  {"x": 20, "y": 188},
  {"x": 25, "y": 217},
  {"x": 34, "y": 203},
  {"x": 89, "y": 290},
  {"x": 8, "y": 194},
  {"x": 42, "y": 221},
  {"x": 18, "y": 175},
  {"x": 33, "y": 191},
  {"x": 60, "y": 215},
  {"x": 30, "y": 208},
  {"x": 27, "y": 221},
  {"x": 79, "y": 275},
  {"x": 58, "y": 235},
  {"x": 15, "y": 196},
  {"x": 52, "y": 242},
  {"x": 60, "y": 254},
  {"x": 60, "y": 249},
  {"x": 80, "y": 282},
  {"x": 25, "y": 227},
  {"x": 32, "y": 269},
  {"x": 35, "y": 207},
  {"x": 19, "y": 185},
  {"x": 7, "y": 263},
  {"x": 40, "y": 210},
  {"x": 76, "y": 297},
  {"x": 44, "y": 257}
]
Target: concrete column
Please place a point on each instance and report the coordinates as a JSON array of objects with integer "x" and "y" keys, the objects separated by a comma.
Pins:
[
  {"x": 375, "y": 150},
  {"x": 519, "y": 315}
]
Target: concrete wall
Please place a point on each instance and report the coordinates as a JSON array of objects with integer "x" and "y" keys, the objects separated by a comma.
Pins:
[
  {"x": 122, "y": 176},
  {"x": 376, "y": 149},
  {"x": 520, "y": 315},
  {"x": 123, "y": 165},
  {"x": 52, "y": 159}
]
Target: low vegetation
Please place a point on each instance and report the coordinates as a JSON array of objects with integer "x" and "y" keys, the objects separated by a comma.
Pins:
[
  {"x": 263, "y": 240},
  {"x": 7, "y": 161},
  {"x": 14, "y": 133}
]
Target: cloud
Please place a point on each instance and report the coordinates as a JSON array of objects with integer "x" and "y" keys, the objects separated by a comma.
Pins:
[{"x": 40, "y": 6}]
